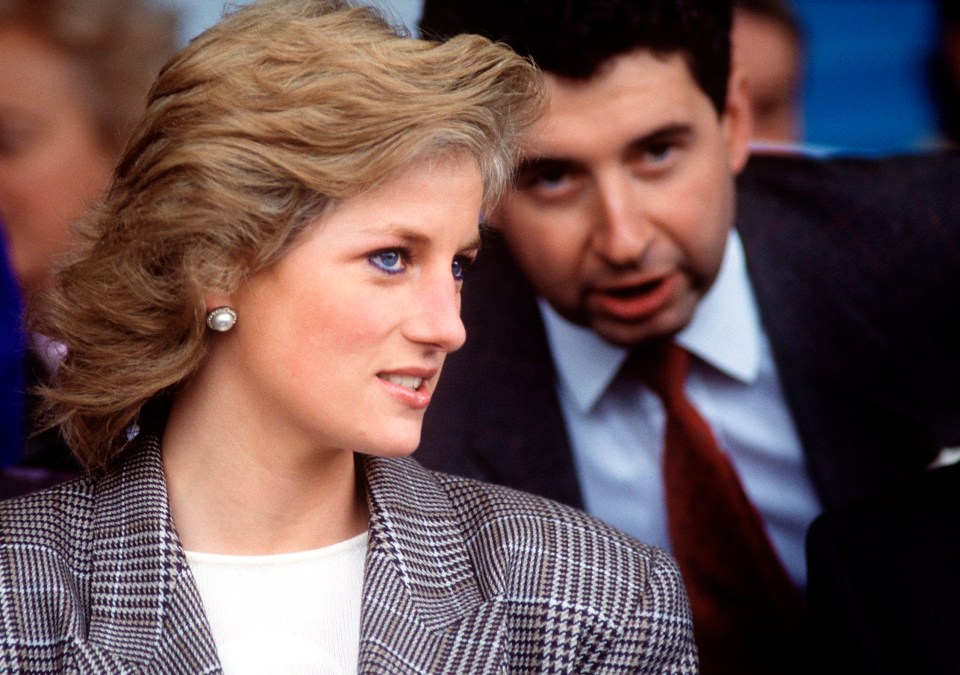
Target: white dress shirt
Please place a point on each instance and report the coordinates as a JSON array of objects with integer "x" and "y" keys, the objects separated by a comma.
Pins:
[{"x": 616, "y": 424}]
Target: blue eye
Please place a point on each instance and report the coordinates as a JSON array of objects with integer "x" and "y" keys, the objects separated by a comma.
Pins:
[
  {"x": 460, "y": 266},
  {"x": 390, "y": 261}
]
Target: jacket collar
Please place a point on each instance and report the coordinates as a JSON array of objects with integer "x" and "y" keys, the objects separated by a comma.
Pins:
[
  {"x": 145, "y": 608},
  {"x": 424, "y": 607}
]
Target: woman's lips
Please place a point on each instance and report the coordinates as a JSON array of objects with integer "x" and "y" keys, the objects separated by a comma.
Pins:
[
  {"x": 637, "y": 302},
  {"x": 411, "y": 390}
]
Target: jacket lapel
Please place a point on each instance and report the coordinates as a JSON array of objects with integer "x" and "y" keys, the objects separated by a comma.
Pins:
[
  {"x": 145, "y": 610},
  {"x": 807, "y": 253},
  {"x": 424, "y": 609}
]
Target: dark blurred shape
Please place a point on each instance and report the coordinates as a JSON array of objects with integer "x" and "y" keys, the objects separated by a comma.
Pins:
[
  {"x": 11, "y": 364},
  {"x": 945, "y": 71}
]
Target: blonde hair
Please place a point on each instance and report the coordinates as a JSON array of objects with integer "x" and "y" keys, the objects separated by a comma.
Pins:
[
  {"x": 116, "y": 47},
  {"x": 256, "y": 128}
]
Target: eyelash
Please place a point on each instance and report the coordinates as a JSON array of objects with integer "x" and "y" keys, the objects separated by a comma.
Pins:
[
  {"x": 403, "y": 256},
  {"x": 464, "y": 262}
]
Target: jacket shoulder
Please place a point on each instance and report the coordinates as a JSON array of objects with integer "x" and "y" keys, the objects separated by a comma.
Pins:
[
  {"x": 45, "y": 564},
  {"x": 562, "y": 566},
  {"x": 52, "y": 520},
  {"x": 501, "y": 516}
]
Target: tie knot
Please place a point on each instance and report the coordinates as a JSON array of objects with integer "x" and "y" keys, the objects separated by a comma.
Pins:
[{"x": 662, "y": 367}]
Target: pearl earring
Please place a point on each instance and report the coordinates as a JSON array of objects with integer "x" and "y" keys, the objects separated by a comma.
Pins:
[{"x": 221, "y": 319}]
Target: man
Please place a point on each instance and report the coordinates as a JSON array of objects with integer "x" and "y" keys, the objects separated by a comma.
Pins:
[{"x": 823, "y": 329}]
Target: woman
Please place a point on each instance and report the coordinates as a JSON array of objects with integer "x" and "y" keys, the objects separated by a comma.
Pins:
[
  {"x": 253, "y": 335},
  {"x": 73, "y": 80}
]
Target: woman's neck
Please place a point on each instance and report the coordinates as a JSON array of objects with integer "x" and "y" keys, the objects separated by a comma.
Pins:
[{"x": 236, "y": 488}]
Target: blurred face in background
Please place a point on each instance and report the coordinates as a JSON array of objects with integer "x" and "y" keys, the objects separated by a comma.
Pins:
[
  {"x": 768, "y": 55},
  {"x": 53, "y": 163}
]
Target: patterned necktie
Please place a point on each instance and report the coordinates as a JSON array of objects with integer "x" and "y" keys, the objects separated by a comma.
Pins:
[{"x": 746, "y": 611}]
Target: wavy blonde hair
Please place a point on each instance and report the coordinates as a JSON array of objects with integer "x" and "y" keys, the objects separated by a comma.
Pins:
[{"x": 256, "y": 128}]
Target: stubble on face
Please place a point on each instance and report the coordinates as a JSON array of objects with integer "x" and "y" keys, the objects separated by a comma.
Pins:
[{"x": 624, "y": 201}]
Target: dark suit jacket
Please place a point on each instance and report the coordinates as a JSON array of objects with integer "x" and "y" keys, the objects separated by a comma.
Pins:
[
  {"x": 856, "y": 269},
  {"x": 460, "y": 577},
  {"x": 884, "y": 582}
]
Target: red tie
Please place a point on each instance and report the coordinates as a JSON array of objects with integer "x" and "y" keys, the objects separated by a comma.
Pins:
[{"x": 746, "y": 611}]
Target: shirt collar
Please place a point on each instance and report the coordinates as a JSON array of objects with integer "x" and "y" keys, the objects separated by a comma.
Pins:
[{"x": 724, "y": 332}]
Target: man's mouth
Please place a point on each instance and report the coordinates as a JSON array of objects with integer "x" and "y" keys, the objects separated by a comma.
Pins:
[
  {"x": 639, "y": 301},
  {"x": 631, "y": 291}
]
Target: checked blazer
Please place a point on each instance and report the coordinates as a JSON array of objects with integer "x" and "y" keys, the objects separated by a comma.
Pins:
[
  {"x": 856, "y": 268},
  {"x": 460, "y": 577}
]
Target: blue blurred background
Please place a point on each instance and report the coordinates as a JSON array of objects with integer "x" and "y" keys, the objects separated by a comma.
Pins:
[{"x": 866, "y": 87}]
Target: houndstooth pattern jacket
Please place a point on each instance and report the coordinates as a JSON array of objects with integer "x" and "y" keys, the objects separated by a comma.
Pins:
[{"x": 461, "y": 577}]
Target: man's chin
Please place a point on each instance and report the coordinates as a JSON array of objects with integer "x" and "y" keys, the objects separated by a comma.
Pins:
[{"x": 631, "y": 334}]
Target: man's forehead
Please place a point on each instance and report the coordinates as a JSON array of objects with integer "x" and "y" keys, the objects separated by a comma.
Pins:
[
  {"x": 637, "y": 94},
  {"x": 611, "y": 64}
]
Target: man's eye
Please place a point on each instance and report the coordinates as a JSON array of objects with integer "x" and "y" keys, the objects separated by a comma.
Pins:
[
  {"x": 391, "y": 261},
  {"x": 659, "y": 152},
  {"x": 547, "y": 180},
  {"x": 20, "y": 134},
  {"x": 552, "y": 178}
]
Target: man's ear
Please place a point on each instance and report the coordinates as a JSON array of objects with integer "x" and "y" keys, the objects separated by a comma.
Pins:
[{"x": 737, "y": 121}]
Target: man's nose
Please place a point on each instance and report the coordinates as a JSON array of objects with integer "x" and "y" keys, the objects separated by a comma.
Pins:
[{"x": 621, "y": 232}]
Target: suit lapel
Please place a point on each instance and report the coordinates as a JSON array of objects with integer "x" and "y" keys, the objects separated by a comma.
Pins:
[
  {"x": 424, "y": 609},
  {"x": 801, "y": 260},
  {"x": 144, "y": 606}
]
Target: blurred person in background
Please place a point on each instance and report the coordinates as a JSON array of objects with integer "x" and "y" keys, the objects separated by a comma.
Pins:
[
  {"x": 74, "y": 76},
  {"x": 767, "y": 45}
]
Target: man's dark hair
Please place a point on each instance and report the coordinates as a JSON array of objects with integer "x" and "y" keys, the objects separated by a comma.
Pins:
[{"x": 572, "y": 38}]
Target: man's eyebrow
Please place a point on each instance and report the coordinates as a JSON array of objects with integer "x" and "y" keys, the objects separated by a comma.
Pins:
[
  {"x": 541, "y": 161},
  {"x": 668, "y": 132}
]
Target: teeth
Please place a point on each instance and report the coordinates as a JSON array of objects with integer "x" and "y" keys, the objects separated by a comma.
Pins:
[{"x": 405, "y": 381}]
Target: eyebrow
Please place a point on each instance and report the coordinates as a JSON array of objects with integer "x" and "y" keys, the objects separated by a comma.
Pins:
[
  {"x": 412, "y": 236},
  {"x": 541, "y": 161},
  {"x": 664, "y": 133}
]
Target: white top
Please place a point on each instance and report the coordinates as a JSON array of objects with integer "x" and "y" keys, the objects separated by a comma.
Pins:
[
  {"x": 290, "y": 614},
  {"x": 616, "y": 426}
]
